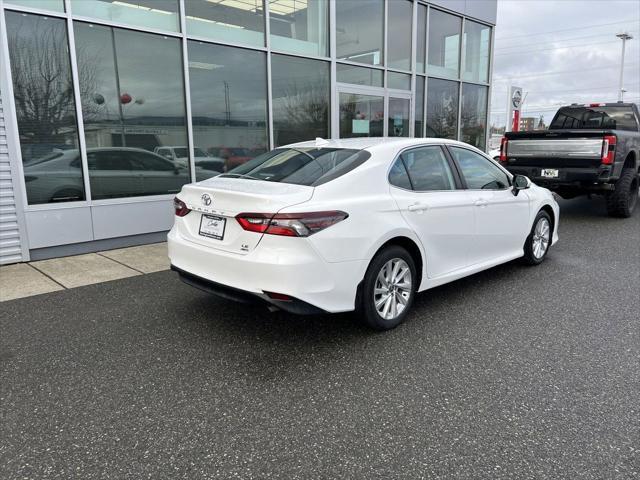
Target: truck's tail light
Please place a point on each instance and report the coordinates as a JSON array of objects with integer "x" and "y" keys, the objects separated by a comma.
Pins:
[
  {"x": 504, "y": 143},
  {"x": 290, "y": 224},
  {"x": 180, "y": 207},
  {"x": 609, "y": 149}
]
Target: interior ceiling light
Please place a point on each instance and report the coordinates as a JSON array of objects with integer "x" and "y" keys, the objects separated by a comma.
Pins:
[
  {"x": 140, "y": 7},
  {"x": 248, "y": 5},
  {"x": 287, "y": 7},
  {"x": 214, "y": 22},
  {"x": 203, "y": 65}
]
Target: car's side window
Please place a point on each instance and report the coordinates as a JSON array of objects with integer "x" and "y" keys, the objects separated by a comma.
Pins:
[
  {"x": 147, "y": 161},
  {"x": 479, "y": 172},
  {"x": 428, "y": 169},
  {"x": 107, "y": 160},
  {"x": 398, "y": 176}
]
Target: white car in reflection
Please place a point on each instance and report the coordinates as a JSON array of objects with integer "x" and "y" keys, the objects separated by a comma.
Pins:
[
  {"x": 495, "y": 154},
  {"x": 203, "y": 161},
  {"x": 359, "y": 224},
  {"x": 113, "y": 172}
]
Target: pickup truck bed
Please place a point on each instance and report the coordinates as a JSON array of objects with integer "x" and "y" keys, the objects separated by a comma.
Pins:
[{"x": 579, "y": 161}]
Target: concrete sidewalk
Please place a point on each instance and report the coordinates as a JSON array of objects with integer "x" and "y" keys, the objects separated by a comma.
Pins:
[{"x": 26, "y": 279}]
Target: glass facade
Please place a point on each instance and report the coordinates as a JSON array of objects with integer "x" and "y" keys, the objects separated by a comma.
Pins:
[
  {"x": 128, "y": 82},
  {"x": 301, "y": 98},
  {"x": 473, "y": 116},
  {"x": 419, "y": 102},
  {"x": 160, "y": 14},
  {"x": 232, "y": 21},
  {"x": 45, "y": 108},
  {"x": 359, "y": 75},
  {"x": 476, "y": 52},
  {"x": 444, "y": 44},
  {"x": 421, "y": 38},
  {"x": 360, "y": 31},
  {"x": 399, "y": 22},
  {"x": 228, "y": 107},
  {"x": 53, "y": 5},
  {"x": 172, "y": 91},
  {"x": 442, "y": 108},
  {"x": 398, "y": 81},
  {"x": 300, "y": 26}
]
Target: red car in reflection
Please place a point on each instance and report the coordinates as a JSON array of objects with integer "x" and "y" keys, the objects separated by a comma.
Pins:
[{"x": 234, "y": 156}]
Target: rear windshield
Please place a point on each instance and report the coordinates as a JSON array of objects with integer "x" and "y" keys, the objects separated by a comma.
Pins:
[
  {"x": 615, "y": 118},
  {"x": 301, "y": 166}
]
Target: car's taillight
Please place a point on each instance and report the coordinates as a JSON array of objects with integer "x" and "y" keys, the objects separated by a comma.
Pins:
[
  {"x": 609, "y": 149},
  {"x": 180, "y": 207},
  {"x": 503, "y": 149},
  {"x": 290, "y": 224}
]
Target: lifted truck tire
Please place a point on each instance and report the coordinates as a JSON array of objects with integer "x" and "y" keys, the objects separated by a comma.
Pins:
[{"x": 622, "y": 201}]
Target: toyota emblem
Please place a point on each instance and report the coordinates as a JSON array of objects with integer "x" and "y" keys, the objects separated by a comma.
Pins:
[{"x": 206, "y": 199}]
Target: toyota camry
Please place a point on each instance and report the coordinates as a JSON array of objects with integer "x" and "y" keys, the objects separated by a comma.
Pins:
[{"x": 356, "y": 225}]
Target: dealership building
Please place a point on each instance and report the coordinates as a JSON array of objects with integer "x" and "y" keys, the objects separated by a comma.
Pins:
[{"x": 107, "y": 107}]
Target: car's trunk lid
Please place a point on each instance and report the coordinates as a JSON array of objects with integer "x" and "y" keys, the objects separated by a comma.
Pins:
[{"x": 215, "y": 203}]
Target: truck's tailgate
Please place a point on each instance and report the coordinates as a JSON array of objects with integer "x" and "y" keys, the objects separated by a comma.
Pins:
[{"x": 557, "y": 149}]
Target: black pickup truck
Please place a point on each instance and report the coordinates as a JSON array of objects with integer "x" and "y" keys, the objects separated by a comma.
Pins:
[{"x": 588, "y": 149}]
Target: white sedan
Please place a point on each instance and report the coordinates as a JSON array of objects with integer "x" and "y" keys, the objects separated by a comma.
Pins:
[{"x": 359, "y": 224}]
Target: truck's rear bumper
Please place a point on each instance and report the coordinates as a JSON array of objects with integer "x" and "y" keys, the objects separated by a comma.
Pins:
[{"x": 584, "y": 179}]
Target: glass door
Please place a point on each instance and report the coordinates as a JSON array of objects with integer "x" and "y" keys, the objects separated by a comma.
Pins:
[
  {"x": 399, "y": 111},
  {"x": 364, "y": 111},
  {"x": 361, "y": 112}
]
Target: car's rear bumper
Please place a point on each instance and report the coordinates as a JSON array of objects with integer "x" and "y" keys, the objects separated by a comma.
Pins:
[
  {"x": 281, "y": 265},
  {"x": 589, "y": 179},
  {"x": 292, "y": 305}
]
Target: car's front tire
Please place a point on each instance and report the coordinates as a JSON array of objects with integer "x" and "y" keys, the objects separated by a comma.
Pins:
[
  {"x": 388, "y": 288},
  {"x": 539, "y": 240}
]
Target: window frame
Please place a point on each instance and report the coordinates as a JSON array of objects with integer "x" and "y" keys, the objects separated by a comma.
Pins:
[
  {"x": 457, "y": 179},
  {"x": 488, "y": 159}
]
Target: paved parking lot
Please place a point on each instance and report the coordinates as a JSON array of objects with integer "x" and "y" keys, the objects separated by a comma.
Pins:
[{"x": 516, "y": 372}]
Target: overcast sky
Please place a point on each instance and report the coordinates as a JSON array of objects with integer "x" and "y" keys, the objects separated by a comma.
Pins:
[{"x": 564, "y": 51}]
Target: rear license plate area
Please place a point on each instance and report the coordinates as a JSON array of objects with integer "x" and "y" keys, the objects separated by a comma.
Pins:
[
  {"x": 212, "y": 226},
  {"x": 550, "y": 173}
]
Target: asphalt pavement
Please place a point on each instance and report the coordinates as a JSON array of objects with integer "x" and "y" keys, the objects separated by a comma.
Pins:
[{"x": 516, "y": 372}]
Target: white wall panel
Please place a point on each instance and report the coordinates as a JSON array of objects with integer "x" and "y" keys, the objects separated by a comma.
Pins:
[
  {"x": 132, "y": 218},
  {"x": 57, "y": 227}
]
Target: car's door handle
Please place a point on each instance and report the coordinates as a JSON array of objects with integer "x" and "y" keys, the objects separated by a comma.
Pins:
[
  {"x": 480, "y": 203},
  {"x": 418, "y": 207}
]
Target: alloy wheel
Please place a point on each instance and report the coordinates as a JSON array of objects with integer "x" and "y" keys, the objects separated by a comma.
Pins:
[
  {"x": 541, "y": 236},
  {"x": 392, "y": 288}
]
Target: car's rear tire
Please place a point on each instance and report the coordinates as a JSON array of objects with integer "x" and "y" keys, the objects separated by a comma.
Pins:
[
  {"x": 538, "y": 242},
  {"x": 623, "y": 200},
  {"x": 387, "y": 291}
]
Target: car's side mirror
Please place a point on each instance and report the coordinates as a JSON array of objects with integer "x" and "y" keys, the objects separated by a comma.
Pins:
[{"x": 520, "y": 182}]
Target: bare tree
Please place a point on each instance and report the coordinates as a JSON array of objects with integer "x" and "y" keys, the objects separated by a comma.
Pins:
[
  {"x": 441, "y": 120},
  {"x": 304, "y": 111},
  {"x": 42, "y": 81}
]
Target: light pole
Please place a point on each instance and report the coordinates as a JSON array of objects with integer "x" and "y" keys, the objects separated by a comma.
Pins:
[{"x": 624, "y": 37}]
